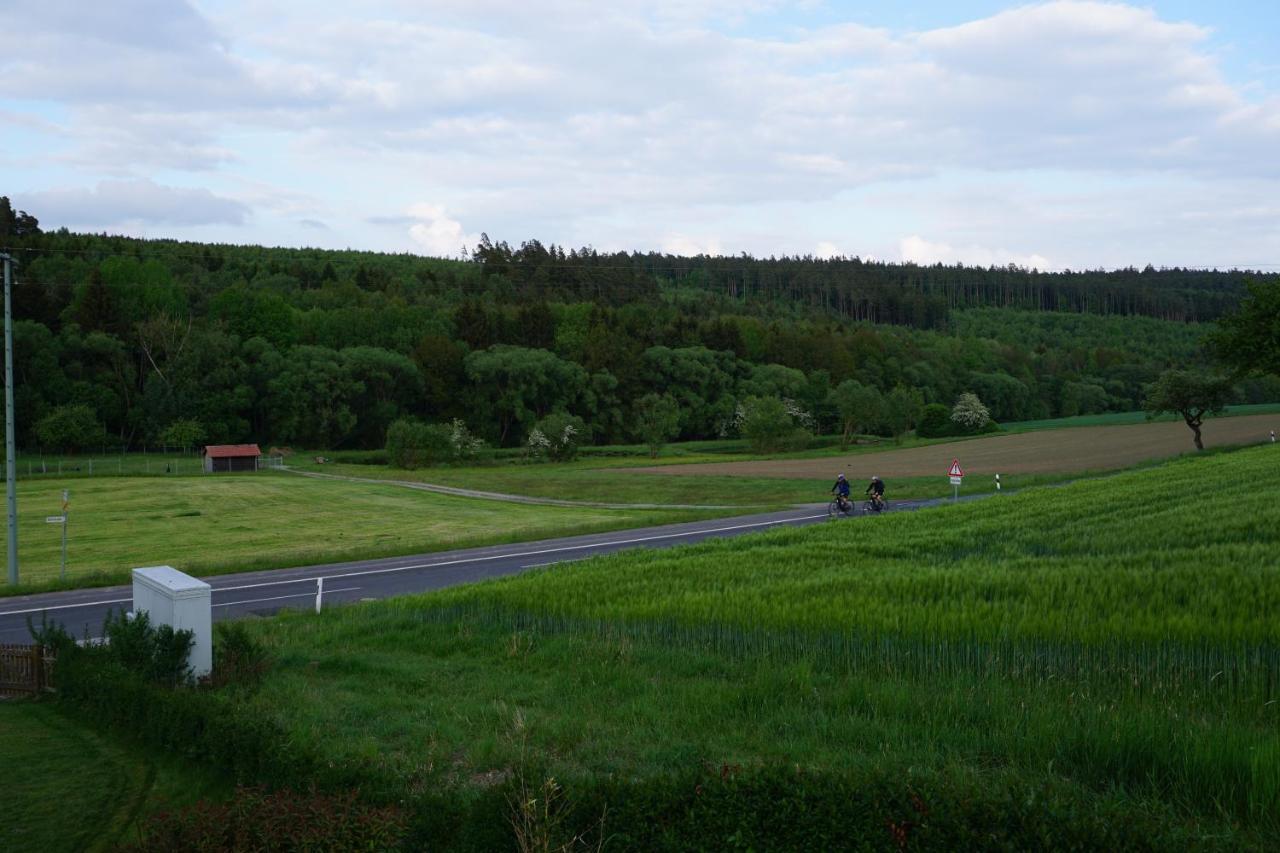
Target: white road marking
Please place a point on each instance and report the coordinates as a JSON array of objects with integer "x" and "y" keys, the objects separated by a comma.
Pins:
[
  {"x": 393, "y": 569},
  {"x": 282, "y": 597},
  {"x": 67, "y": 606}
]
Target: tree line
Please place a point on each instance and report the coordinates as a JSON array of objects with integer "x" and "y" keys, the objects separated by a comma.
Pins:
[{"x": 121, "y": 342}]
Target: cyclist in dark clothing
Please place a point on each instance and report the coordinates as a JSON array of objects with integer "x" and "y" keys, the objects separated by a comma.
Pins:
[
  {"x": 875, "y": 491},
  {"x": 841, "y": 491}
]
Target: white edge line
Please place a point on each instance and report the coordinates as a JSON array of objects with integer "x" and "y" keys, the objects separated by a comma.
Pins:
[
  {"x": 67, "y": 606},
  {"x": 390, "y": 570},
  {"x": 282, "y": 597}
]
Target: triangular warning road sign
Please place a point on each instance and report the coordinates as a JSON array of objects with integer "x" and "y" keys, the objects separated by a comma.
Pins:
[{"x": 955, "y": 468}]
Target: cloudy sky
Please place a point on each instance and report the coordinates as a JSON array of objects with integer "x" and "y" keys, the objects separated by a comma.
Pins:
[{"x": 1060, "y": 134}]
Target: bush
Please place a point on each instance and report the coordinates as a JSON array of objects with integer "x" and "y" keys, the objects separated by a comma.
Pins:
[
  {"x": 412, "y": 444},
  {"x": 238, "y": 659},
  {"x": 655, "y": 421},
  {"x": 557, "y": 437},
  {"x": 969, "y": 415},
  {"x": 70, "y": 428},
  {"x": 771, "y": 425},
  {"x": 255, "y": 819},
  {"x": 935, "y": 422}
]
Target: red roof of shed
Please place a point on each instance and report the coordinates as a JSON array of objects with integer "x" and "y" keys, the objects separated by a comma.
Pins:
[{"x": 221, "y": 451}]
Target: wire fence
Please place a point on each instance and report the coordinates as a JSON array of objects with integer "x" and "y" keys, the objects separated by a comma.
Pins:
[{"x": 145, "y": 463}]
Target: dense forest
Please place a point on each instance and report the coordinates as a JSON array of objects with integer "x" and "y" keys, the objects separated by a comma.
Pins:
[{"x": 139, "y": 341}]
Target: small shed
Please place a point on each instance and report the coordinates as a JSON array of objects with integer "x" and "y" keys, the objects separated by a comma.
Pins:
[{"x": 231, "y": 457}]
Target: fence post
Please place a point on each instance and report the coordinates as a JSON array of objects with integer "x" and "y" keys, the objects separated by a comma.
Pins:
[
  {"x": 319, "y": 592},
  {"x": 37, "y": 668}
]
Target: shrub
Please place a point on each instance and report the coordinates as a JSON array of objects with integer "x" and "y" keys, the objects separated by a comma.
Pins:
[
  {"x": 969, "y": 414},
  {"x": 414, "y": 444},
  {"x": 238, "y": 659},
  {"x": 70, "y": 428},
  {"x": 158, "y": 654},
  {"x": 935, "y": 422},
  {"x": 655, "y": 421},
  {"x": 557, "y": 437},
  {"x": 184, "y": 433},
  {"x": 771, "y": 425},
  {"x": 255, "y": 819}
]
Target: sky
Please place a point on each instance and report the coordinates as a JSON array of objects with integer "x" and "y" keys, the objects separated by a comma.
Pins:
[{"x": 1055, "y": 135}]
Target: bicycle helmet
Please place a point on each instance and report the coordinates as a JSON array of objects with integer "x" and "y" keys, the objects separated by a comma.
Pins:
[{"x": 839, "y": 476}]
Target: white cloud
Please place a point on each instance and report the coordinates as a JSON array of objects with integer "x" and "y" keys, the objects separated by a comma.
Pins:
[
  {"x": 438, "y": 233},
  {"x": 134, "y": 202},
  {"x": 682, "y": 244},
  {"x": 827, "y": 249},
  {"x": 916, "y": 249},
  {"x": 659, "y": 121}
]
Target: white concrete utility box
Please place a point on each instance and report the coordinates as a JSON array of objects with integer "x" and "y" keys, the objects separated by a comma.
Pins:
[{"x": 173, "y": 598}]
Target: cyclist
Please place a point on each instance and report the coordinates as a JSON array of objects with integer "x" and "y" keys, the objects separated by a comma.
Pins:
[
  {"x": 841, "y": 490},
  {"x": 875, "y": 492}
]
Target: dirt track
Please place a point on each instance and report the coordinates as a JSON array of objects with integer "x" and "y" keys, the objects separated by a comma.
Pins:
[{"x": 1059, "y": 450}]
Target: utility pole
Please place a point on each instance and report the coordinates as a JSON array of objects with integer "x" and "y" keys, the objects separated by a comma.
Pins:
[{"x": 10, "y": 453}]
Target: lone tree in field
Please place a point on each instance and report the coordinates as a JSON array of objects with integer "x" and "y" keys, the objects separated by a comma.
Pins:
[
  {"x": 1248, "y": 341},
  {"x": 1194, "y": 396},
  {"x": 656, "y": 420}
]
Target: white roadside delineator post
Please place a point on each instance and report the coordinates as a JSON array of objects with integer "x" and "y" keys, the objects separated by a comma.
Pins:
[{"x": 171, "y": 597}]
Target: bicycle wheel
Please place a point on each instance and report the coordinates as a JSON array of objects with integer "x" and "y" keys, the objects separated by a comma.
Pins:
[{"x": 833, "y": 509}]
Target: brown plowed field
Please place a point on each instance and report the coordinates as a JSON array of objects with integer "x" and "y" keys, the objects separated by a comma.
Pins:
[{"x": 1046, "y": 451}]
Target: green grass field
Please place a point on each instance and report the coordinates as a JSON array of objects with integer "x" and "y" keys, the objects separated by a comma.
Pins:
[
  {"x": 1121, "y": 418},
  {"x": 1119, "y": 640},
  {"x": 210, "y": 524},
  {"x": 67, "y": 788}
]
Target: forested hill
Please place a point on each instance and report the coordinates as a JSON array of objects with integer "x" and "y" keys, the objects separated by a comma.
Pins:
[
  {"x": 903, "y": 294},
  {"x": 119, "y": 339}
]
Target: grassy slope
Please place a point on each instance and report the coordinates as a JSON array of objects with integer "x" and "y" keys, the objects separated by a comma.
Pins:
[
  {"x": 211, "y": 524},
  {"x": 996, "y": 639},
  {"x": 600, "y": 480},
  {"x": 1121, "y": 418},
  {"x": 67, "y": 788}
]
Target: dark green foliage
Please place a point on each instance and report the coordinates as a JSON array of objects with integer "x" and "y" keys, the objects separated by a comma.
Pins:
[
  {"x": 564, "y": 434},
  {"x": 935, "y": 422},
  {"x": 70, "y": 428},
  {"x": 239, "y": 659},
  {"x": 327, "y": 349},
  {"x": 1248, "y": 341},
  {"x": 770, "y": 427},
  {"x": 412, "y": 444},
  {"x": 1193, "y": 396},
  {"x": 284, "y": 820},
  {"x": 655, "y": 421},
  {"x": 157, "y": 653}
]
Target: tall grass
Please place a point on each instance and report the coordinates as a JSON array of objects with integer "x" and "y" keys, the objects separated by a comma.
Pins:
[{"x": 1118, "y": 635}]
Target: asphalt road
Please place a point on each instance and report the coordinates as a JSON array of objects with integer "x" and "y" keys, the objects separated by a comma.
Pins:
[{"x": 264, "y": 593}]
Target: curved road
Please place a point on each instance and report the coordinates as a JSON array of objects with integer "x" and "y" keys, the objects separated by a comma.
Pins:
[{"x": 264, "y": 593}]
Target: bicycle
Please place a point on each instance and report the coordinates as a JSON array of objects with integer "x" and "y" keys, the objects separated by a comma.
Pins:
[{"x": 838, "y": 508}]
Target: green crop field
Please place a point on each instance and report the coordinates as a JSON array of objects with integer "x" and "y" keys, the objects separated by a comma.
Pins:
[
  {"x": 1114, "y": 638},
  {"x": 67, "y": 788},
  {"x": 221, "y": 523}
]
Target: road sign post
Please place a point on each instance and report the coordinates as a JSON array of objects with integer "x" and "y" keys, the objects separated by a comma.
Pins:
[
  {"x": 957, "y": 475},
  {"x": 66, "y": 502}
]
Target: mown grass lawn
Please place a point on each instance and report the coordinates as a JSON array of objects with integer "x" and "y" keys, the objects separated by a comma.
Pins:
[
  {"x": 1123, "y": 644},
  {"x": 210, "y": 524},
  {"x": 67, "y": 788}
]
